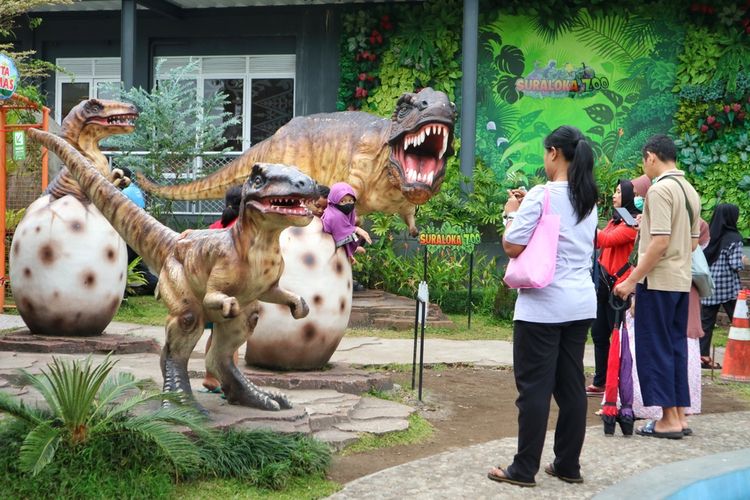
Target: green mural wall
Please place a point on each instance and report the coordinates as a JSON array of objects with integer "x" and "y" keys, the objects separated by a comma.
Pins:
[{"x": 609, "y": 75}]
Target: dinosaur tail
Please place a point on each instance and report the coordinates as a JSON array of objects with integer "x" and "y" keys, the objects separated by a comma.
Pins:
[
  {"x": 211, "y": 187},
  {"x": 148, "y": 237}
]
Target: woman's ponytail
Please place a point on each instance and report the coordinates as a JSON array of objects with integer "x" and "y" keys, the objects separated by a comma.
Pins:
[{"x": 581, "y": 184}]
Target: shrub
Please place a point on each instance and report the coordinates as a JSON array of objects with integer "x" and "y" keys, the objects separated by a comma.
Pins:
[
  {"x": 505, "y": 302},
  {"x": 89, "y": 445}
]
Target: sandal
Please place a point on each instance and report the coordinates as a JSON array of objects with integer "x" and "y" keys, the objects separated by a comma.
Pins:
[
  {"x": 594, "y": 390},
  {"x": 505, "y": 478},
  {"x": 550, "y": 469},
  {"x": 709, "y": 364}
]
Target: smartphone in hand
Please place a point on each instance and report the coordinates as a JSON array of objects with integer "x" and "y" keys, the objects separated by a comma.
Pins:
[{"x": 626, "y": 217}]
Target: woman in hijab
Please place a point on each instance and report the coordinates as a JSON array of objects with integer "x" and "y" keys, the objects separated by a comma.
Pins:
[
  {"x": 725, "y": 259},
  {"x": 616, "y": 240},
  {"x": 339, "y": 220}
]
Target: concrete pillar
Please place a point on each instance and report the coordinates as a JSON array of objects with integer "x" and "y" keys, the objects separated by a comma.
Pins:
[
  {"x": 468, "y": 108},
  {"x": 127, "y": 41}
]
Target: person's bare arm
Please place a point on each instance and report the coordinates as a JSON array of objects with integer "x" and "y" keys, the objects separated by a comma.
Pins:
[{"x": 654, "y": 252}]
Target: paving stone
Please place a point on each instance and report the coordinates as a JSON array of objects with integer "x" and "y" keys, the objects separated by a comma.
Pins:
[
  {"x": 24, "y": 341},
  {"x": 373, "y": 408},
  {"x": 338, "y": 440},
  {"x": 339, "y": 377},
  {"x": 374, "y": 426}
]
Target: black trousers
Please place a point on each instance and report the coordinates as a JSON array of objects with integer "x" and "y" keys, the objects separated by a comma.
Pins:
[
  {"x": 708, "y": 321},
  {"x": 601, "y": 332},
  {"x": 548, "y": 361}
]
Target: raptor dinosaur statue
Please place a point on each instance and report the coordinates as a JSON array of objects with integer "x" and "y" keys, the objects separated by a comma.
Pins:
[
  {"x": 85, "y": 260},
  {"x": 84, "y": 127},
  {"x": 393, "y": 164},
  {"x": 210, "y": 275}
]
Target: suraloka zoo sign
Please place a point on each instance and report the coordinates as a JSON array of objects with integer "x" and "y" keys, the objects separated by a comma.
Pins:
[
  {"x": 460, "y": 238},
  {"x": 8, "y": 77}
]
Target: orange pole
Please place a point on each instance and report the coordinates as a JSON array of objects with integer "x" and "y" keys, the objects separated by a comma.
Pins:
[
  {"x": 2, "y": 207},
  {"x": 45, "y": 153}
]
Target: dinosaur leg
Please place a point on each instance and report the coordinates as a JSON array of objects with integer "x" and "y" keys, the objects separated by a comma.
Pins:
[
  {"x": 184, "y": 328},
  {"x": 229, "y": 335}
]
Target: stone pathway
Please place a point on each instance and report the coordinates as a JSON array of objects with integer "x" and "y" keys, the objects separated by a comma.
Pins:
[{"x": 605, "y": 461}]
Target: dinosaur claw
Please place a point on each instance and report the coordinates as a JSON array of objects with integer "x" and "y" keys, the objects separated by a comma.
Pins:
[
  {"x": 230, "y": 308},
  {"x": 300, "y": 309}
]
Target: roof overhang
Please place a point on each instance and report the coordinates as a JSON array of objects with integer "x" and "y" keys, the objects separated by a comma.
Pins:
[{"x": 174, "y": 8}]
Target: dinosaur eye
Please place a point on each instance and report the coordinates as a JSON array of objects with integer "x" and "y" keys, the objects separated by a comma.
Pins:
[
  {"x": 94, "y": 106},
  {"x": 257, "y": 181},
  {"x": 403, "y": 111}
]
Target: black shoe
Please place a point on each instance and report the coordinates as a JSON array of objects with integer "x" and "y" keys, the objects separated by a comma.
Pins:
[
  {"x": 626, "y": 425},
  {"x": 609, "y": 425}
]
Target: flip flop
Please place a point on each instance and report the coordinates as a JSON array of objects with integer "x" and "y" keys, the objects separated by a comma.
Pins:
[
  {"x": 215, "y": 390},
  {"x": 687, "y": 431},
  {"x": 550, "y": 469},
  {"x": 649, "y": 430},
  {"x": 505, "y": 478}
]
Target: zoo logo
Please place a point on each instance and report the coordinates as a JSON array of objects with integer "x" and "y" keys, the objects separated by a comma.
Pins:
[
  {"x": 568, "y": 81},
  {"x": 461, "y": 238}
]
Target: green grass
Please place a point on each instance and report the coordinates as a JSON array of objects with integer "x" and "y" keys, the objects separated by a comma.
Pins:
[
  {"x": 239, "y": 464},
  {"x": 306, "y": 488},
  {"x": 739, "y": 389},
  {"x": 483, "y": 327},
  {"x": 419, "y": 431},
  {"x": 720, "y": 336},
  {"x": 144, "y": 310}
]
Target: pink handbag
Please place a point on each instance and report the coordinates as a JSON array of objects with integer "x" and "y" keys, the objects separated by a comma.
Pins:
[{"x": 535, "y": 266}]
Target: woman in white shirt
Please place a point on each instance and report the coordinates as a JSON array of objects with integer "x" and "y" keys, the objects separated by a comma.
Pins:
[{"x": 551, "y": 323}]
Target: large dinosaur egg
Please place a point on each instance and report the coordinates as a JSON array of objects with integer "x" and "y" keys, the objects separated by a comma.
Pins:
[
  {"x": 68, "y": 268},
  {"x": 322, "y": 275}
]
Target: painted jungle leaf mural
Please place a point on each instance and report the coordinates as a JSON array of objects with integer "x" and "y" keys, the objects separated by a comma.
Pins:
[{"x": 609, "y": 75}]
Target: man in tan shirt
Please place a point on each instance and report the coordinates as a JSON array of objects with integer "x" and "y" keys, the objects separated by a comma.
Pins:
[{"x": 669, "y": 233}]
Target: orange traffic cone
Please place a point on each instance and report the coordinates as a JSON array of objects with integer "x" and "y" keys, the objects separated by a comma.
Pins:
[{"x": 737, "y": 353}]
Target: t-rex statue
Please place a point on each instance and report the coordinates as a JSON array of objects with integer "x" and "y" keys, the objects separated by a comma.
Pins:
[
  {"x": 83, "y": 258},
  {"x": 210, "y": 275},
  {"x": 393, "y": 165}
]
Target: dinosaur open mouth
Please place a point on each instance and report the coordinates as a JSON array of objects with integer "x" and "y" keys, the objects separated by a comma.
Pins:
[
  {"x": 421, "y": 154},
  {"x": 287, "y": 205},
  {"x": 124, "y": 120}
]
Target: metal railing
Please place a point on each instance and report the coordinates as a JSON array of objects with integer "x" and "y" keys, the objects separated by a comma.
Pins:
[{"x": 180, "y": 172}]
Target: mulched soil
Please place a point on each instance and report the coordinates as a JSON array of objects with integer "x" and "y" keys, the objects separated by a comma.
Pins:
[{"x": 473, "y": 405}]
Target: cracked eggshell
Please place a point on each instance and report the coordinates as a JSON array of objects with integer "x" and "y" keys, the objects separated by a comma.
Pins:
[
  {"x": 322, "y": 275},
  {"x": 68, "y": 268}
]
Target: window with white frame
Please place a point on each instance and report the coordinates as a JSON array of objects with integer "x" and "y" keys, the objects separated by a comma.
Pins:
[
  {"x": 260, "y": 91},
  {"x": 84, "y": 78}
]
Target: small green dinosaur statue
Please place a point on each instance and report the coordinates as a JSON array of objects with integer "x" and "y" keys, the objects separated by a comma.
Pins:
[
  {"x": 210, "y": 275},
  {"x": 393, "y": 165}
]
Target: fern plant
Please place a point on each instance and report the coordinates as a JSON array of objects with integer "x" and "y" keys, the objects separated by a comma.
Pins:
[
  {"x": 84, "y": 401},
  {"x": 135, "y": 277}
]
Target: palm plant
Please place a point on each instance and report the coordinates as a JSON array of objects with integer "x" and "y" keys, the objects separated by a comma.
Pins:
[{"x": 84, "y": 401}]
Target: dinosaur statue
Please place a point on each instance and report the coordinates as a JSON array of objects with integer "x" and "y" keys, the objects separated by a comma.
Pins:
[
  {"x": 210, "y": 275},
  {"x": 84, "y": 259},
  {"x": 84, "y": 127},
  {"x": 393, "y": 165}
]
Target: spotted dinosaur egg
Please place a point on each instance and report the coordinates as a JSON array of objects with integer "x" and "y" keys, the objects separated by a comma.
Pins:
[
  {"x": 322, "y": 275},
  {"x": 68, "y": 268}
]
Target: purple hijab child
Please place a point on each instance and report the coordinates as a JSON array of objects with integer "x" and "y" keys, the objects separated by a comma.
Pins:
[{"x": 338, "y": 219}]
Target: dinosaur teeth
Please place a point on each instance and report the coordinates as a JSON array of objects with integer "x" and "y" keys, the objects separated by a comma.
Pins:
[{"x": 444, "y": 148}]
